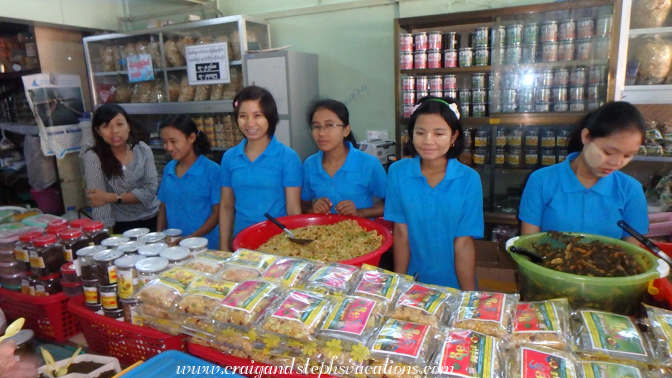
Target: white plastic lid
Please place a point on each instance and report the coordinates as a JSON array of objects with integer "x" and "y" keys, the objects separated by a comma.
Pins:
[
  {"x": 175, "y": 253},
  {"x": 136, "y": 232},
  {"x": 151, "y": 264},
  {"x": 152, "y": 237},
  {"x": 132, "y": 246},
  {"x": 153, "y": 249},
  {"x": 91, "y": 250},
  {"x": 128, "y": 261},
  {"x": 194, "y": 243},
  {"x": 110, "y": 255},
  {"x": 115, "y": 241},
  {"x": 172, "y": 232}
]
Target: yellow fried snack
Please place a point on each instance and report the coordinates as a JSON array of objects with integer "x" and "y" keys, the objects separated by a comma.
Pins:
[
  {"x": 488, "y": 313},
  {"x": 297, "y": 315},
  {"x": 421, "y": 304},
  {"x": 203, "y": 296},
  {"x": 245, "y": 304}
]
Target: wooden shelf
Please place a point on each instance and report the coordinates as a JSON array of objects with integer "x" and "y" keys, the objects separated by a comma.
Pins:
[
  {"x": 501, "y": 218},
  {"x": 448, "y": 70}
]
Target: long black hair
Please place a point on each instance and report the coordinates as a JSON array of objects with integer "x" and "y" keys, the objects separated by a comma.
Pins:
[
  {"x": 187, "y": 126},
  {"x": 341, "y": 112},
  {"x": 440, "y": 106},
  {"x": 110, "y": 165},
  {"x": 266, "y": 103},
  {"x": 608, "y": 119}
]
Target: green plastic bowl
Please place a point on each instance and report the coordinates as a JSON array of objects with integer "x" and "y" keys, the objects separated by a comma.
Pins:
[{"x": 614, "y": 294}]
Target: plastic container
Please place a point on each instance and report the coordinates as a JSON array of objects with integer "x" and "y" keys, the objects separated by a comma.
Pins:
[
  {"x": 109, "y": 365},
  {"x": 153, "y": 237},
  {"x": 47, "y": 257},
  {"x": 258, "y": 234},
  {"x": 11, "y": 267},
  {"x": 152, "y": 250},
  {"x": 73, "y": 240},
  {"x": 108, "y": 297},
  {"x": 165, "y": 366},
  {"x": 48, "y": 316},
  {"x": 149, "y": 268},
  {"x": 127, "y": 275},
  {"x": 660, "y": 224},
  {"x": 130, "y": 248},
  {"x": 69, "y": 273},
  {"x": 96, "y": 232},
  {"x": 114, "y": 241},
  {"x": 40, "y": 220},
  {"x": 91, "y": 294},
  {"x": 195, "y": 245},
  {"x": 136, "y": 233},
  {"x": 175, "y": 255},
  {"x": 127, "y": 342},
  {"x": 86, "y": 263},
  {"x": 105, "y": 269},
  {"x": 12, "y": 281},
  {"x": 48, "y": 285},
  {"x": 73, "y": 289},
  {"x": 79, "y": 223},
  {"x": 618, "y": 294},
  {"x": 23, "y": 247},
  {"x": 127, "y": 305}
]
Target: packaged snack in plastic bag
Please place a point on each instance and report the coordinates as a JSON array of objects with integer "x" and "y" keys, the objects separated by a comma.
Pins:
[
  {"x": 380, "y": 286},
  {"x": 246, "y": 264},
  {"x": 332, "y": 278},
  {"x": 660, "y": 334},
  {"x": 164, "y": 325},
  {"x": 488, "y": 313},
  {"x": 371, "y": 268},
  {"x": 199, "y": 327},
  {"x": 422, "y": 304},
  {"x": 465, "y": 353},
  {"x": 165, "y": 290},
  {"x": 157, "y": 312},
  {"x": 202, "y": 93},
  {"x": 534, "y": 361},
  {"x": 245, "y": 304},
  {"x": 354, "y": 318},
  {"x": 544, "y": 323},
  {"x": 404, "y": 347},
  {"x": 203, "y": 296},
  {"x": 297, "y": 315},
  {"x": 289, "y": 272},
  {"x": 216, "y": 255},
  {"x": 594, "y": 369},
  {"x": 234, "y": 337},
  {"x": 610, "y": 336},
  {"x": 204, "y": 264}
]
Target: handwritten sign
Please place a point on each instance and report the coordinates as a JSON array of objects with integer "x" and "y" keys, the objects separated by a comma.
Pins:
[
  {"x": 208, "y": 64},
  {"x": 140, "y": 68}
]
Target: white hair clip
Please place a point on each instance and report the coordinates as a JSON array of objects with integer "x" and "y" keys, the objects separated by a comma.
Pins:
[{"x": 453, "y": 107}]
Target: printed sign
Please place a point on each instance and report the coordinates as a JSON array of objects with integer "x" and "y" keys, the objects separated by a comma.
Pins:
[{"x": 208, "y": 64}]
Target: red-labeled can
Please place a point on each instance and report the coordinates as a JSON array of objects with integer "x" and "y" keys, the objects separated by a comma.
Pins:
[
  {"x": 450, "y": 58},
  {"x": 435, "y": 40},
  {"x": 422, "y": 83},
  {"x": 567, "y": 30},
  {"x": 434, "y": 59},
  {"x": 407, "y": 82},
  {"x": 420, "y": 60},
  {"x": 420, "y": 41},
  {"x": 408, "y": 98},
  {"x": 406, "y": 60},
  {"x": 449, "y": 82},
  {"x": 406, "y": 42},
  {"x": 585, "y": 28},
  {"x": 436, "y": 83}
]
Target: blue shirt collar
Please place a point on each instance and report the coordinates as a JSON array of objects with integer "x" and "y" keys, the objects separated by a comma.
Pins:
[
  {"x": 452, "y": 169},
  {"x": 571, "y": 183},
  {"x": 273, "y": 148},
  {"x": 196, "y": 169},
  {"x": 351, "y": 163}
]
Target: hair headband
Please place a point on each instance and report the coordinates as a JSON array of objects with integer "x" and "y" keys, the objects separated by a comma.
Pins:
[{"x": 452, "y": 106}]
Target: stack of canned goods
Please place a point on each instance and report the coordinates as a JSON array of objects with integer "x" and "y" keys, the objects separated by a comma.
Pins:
[{"x": 416, "y": 87}]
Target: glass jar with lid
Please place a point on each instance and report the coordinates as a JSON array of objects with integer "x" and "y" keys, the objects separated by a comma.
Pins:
[
  {"x": 480, "y": 157},
  {"x": 86, "y": 263},
  {"x": 105, "y": 270},
  {"x": 114, "y": 241},
  {"x": 500, "y": 138},
  {"x": 513, "y": 157},
  {"x": 561, "y": 138},
  {"x": 23, "y": 247},
  {"x": 108, "y": 297},
  {"x": 515, "y": 138},
  {"x": 91, "y": 295},
  {"x": 55, "y": 229},
  {"x": 48, "y": 285},
  {"x": 547, "y": 157},
  {"x": 96, "y": 232},
  {"x": 79, "y": 223},
  {"x": 195, "y": 245},
  {"x": 175, "y": 255},
  {"x": 562, "y": 155},
  {"x": 47, "y": 257},
  {"x": 500, "y": 157},
  {"x": 172, "y": 235},
  {"x": 531, "y": 158},
  {"x": 73, "y": 240},
  {"x": 547, "y": 138},
  {"x": 531, "y": 138},
  {"x": 58, "y": 223},
  {"x": 153, "y": 237},
  {"x": 135, "y": 233},
  {"x": 482, "y": 139},
  {"x": 150, "y": 268},
  {"x": 152, "y": 250},
  {"x": 127, "y": 275},
  {"x": 130, "y": 248}
]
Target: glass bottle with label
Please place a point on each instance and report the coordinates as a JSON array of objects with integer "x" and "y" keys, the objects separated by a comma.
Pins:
[
  {"x": 23, "y": 247},
  {"x": 47, "y": 257},
  {"x": 127, "y": 275}
]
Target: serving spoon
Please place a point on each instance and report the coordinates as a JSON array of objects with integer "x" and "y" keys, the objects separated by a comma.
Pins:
[
  {"x": 286, "y": 231},
  {"x": 529, "y": 254},
  {"x": 644, "y": 240},
  {"x": 13, "y": 328}
]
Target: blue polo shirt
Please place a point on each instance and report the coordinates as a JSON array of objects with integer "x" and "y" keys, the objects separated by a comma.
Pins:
[
  {"x": 189, "y": 199},
  {"x": 435, "y": 216},
  {"x": 359, "y": 179},
  {"x": 259, "y": 186},
  {"x": 555, "y": 200}
]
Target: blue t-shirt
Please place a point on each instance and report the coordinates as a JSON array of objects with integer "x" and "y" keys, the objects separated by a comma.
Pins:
[
  {"x": 555, "y": 200},
  {"x": 359, "y": 179},
  {"x": 435, "y": 216},
  {"x": 189, "y": 199},
  {"x": 259, "y": 186}
]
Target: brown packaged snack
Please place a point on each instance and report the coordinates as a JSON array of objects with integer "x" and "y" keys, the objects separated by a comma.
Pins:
[
  {"x": 187, "y": 91},
  {"x": 202, "y": 93},
  {"x": 183, "y": 42},
  {"x": 173, "y": 56}
]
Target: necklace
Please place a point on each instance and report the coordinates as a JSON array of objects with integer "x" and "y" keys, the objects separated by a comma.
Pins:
[{"x": 123, "y": 162}]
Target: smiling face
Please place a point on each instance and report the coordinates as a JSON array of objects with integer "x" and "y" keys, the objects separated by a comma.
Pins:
[
  {"x": 330, "y": 132},
  {"x": 432, "y": 137},
  {"x": 177, "y": 143},
  {"x": 116, "y": 132},
  {"x": 611, "y": 153},
  {"x": 252, "y": 121}
]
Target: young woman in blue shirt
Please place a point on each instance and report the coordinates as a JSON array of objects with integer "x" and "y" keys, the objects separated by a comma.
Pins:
[
  {"x": 190, "y": 189},
  {"x": 259, "y": 175},
  {"x": 587, "y": 193},
  {"x": 340, "y": 179},
  {"x": 435, "y": 202}
]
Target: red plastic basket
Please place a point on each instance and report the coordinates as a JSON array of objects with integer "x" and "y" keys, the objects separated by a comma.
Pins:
[
  {"x": 48, "y": 316},
  {"x": 127, "y": 342},
  {"x": 257, "y": 234},
  {"x": 226, "y": 360}
]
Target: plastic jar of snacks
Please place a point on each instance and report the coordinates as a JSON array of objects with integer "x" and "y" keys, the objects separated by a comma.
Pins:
[
  {"x": 135, "y": 233},
  {"x": 130, "y": 248},
  {"x": 91, "y": 295},
  {"x": 150, "y": 268},
  {"x": 48, "y": 285},
  {"x": 79, "y": 223},
  {"x": 105, "y": 270},
  {"x": 175, "y": 255},
  {"x": 11, "y": 267},
  {"x": 73, "y": 240},
  {"x": 72, "y": 289},
  {"x": 127, "y": 275},
  {"x": 172, "y": 235},
  {"x": 195, "y": 245},
  {"x": 23, "y": 247},
  {"x": 47, "y": 257},
  {"x": 86, "y": 262},
  {"x": 96, "y": 232},
  {"x": 114, "y": 241},
  {"x": 153, "y": 237},
  {"x": 108, "y": 297},
  {"x": 152, "y": 250},
  {"x": 128, "y": 305},
  {"x": 69, "y": 273}
]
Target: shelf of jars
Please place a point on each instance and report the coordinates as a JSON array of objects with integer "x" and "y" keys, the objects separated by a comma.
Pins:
[{"x": 521, "y": 119}]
